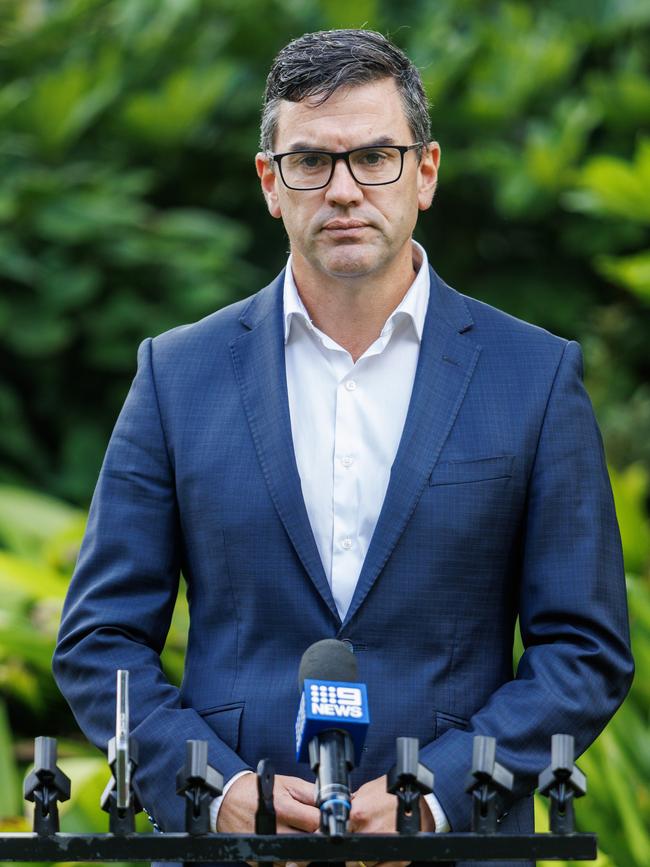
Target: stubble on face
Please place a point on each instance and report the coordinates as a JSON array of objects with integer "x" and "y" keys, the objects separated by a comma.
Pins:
[{"x": 347, "y": 231}]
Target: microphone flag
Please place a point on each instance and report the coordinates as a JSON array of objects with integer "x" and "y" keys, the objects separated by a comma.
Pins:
[{"x": 331, "y": 704}]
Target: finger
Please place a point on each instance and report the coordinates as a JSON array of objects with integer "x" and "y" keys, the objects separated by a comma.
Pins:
[
  {"x": 298, "y": 816},
  {"x": 363, "y": 821},
  {"x": 302, "y": 791},
  {"x": 377, "y": 863},
  {"x": 283, "y": 828}
]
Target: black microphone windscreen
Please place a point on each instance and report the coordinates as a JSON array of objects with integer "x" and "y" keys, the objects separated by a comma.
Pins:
[{"x": 328, "y": 659}]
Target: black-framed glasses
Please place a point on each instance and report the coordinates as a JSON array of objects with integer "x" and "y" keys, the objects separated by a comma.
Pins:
[{"x": 369, "y": 166}]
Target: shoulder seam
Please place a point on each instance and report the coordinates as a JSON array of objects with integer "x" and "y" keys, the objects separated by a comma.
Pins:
[{"x": 149, "y": 344}]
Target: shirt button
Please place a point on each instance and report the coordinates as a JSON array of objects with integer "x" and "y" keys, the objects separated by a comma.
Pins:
[
  {"x": 346, "y": 544},
  {"x": 350, "y": 385},
  {"x": 347, "y": 461}
]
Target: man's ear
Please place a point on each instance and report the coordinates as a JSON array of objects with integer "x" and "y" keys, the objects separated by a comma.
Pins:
[
  {"x": 428, "y": 175},
  {"x": 269, "y": 183}
]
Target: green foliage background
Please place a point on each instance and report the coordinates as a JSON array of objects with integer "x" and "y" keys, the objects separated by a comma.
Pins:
[{"x": 129, "y": 204}]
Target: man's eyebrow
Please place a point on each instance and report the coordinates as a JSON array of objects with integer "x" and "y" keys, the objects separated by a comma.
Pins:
[
  {"x": 302, "y": 146},
  {"x": 309, "y": 146}
]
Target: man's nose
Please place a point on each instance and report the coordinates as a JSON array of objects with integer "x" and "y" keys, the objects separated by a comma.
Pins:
[{"x": 342, "y": 188}]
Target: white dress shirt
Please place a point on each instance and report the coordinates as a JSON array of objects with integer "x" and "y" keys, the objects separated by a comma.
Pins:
[{"x": 346, "y": 423}]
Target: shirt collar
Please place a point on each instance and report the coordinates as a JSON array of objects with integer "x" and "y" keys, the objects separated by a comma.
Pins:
[{"x": 412, "y": 306}]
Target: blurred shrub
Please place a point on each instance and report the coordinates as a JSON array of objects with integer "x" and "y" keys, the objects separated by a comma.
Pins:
[
  {"x": 617, "y": 765},
  {"x": 129, "y": 204},
  {"x": 39, "y": 540},
  {"x": 39, "y": 543},
  {"x": 105, "y": 236}
]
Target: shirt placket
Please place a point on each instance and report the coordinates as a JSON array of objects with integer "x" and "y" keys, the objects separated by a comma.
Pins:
[{"x": 346, "y": 488}]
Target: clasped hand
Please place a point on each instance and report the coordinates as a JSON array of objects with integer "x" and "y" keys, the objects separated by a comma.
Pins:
[{"x": 373, "y": 809}]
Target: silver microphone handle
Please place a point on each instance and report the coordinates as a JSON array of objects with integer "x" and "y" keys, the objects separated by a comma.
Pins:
[{"x": 122, "y": 759}]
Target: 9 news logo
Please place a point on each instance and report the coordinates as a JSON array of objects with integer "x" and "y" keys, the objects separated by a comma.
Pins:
[{"x": 341, "y": 701}]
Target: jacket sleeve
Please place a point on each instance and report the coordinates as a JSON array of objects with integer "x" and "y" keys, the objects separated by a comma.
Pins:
[
  {"x": 577, "y": 666},
  {"x": 120, "y": 602}
]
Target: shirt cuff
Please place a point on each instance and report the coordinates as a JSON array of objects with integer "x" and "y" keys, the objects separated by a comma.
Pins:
[
  {"x": 215, "y": 806},
  {"x": 439, "y": 817}
]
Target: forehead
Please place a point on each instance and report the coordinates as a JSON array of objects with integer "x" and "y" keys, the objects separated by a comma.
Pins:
[{"x": 351, "y": 116}]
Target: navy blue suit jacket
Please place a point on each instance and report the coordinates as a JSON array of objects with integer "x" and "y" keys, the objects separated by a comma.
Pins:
[{"x": 498, "y": 506}]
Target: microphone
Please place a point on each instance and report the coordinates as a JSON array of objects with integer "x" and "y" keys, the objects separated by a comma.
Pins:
[
  {"x": 331, "y": 727},
  {"x": 122, "y": 758}
]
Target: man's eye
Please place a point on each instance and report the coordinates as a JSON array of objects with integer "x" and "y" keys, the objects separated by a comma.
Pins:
[
  {"x": 372, "y": 158},
  {"x": 312, "y": 161}
]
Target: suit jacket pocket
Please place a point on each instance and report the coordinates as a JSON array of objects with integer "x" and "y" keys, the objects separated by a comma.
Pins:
[
  {"x": 475, "y": 470},
  {"x": 224, "y": 722},
  {"x": 445, "y": 721}
]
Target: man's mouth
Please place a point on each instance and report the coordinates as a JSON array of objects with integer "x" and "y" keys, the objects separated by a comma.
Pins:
[{"x": 345, "y": 227}]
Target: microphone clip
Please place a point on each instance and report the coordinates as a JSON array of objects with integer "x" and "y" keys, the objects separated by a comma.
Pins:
[
  {"x": 46, "y": 785},
  {"x": 562, "y": 782},
  {"x": 198, "y": 783},
  {"x": 489, "y": 785},
  {"x": 408, "y": 779},
  {"x": 121, "y": 819},
  {"x": 265, "y": 822}
]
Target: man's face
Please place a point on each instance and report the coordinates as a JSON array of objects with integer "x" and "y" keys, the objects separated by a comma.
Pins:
[{"x": 347, "y": 230}]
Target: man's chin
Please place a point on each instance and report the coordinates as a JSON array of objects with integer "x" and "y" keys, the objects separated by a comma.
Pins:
[{"x": 350, "y": 265}]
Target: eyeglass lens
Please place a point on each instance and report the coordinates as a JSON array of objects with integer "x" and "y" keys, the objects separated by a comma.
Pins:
[{"x": 309, "y": 169}]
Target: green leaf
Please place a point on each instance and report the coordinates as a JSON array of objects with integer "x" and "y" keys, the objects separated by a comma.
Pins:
[
  {"x": 633, "y": 272},
  {"x": 624, "y": 97},
  {"x": 10, "y": 802},
  {"x": 20, "y": 682},
  {"x": 610, "y": 186},
  {"x": 88, "y": 214},
  {"x": 552, "y": 149},
  {"x": 29, "y": 519},
  {"x": 630, "y": 487},
  {"x": 167, "y": 116},
  {"x": 342, "y": 13},
  {"x": 63, "y": 102},
  {"x": 34, "y": 580},
  {"x": 620, "y": 781},
  {"x": 14, "y": 262},
  {"x": 517, "y": 39}
]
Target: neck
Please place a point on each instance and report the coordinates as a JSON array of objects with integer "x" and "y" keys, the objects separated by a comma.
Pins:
[{"x": 353, "y": 310}]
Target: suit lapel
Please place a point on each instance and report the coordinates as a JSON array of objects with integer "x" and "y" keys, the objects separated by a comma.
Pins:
[
  {"x": 258, "y": 357},
  {"x": 445, "y": 367}
]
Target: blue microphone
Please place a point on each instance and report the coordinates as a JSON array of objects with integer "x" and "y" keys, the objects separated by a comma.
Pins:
[{"x": 331, "y": 727}]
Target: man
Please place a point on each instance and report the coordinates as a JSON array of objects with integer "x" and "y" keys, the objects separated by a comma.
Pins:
[{"x": 360, "y": 452}]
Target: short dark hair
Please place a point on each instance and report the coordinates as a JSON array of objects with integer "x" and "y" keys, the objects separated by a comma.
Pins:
[{"x": 317, "y": 64}]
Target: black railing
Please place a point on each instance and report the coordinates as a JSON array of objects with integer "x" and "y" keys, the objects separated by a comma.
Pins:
[
  {"x": 489, "y": 786},
  {"x": 297, "y": 847}
]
